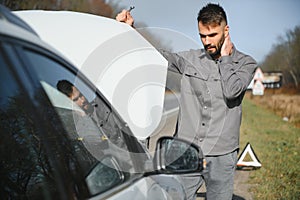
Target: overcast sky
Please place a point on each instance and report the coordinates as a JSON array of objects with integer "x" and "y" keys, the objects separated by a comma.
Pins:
[{"x": 255, "y": 25}]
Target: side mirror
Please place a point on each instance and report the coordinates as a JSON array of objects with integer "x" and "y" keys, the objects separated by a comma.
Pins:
[
  {"x": 174, "y": 155},
  {"x": 104, "y": 175}
]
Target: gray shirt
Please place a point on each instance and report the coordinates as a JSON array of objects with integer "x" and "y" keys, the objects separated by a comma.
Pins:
[{"x": 211, "y": 96}]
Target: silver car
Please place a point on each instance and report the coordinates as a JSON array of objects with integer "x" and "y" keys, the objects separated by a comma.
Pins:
[{"x": 51, "y": 148}]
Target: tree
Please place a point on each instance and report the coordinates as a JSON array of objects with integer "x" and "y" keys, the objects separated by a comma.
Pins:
[
  {"x": 285, "y": 57},
  {"x": 97, "y": 7}
]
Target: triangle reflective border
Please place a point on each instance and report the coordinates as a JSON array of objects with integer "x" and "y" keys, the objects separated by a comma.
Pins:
[{"x": 254, "y": 163}]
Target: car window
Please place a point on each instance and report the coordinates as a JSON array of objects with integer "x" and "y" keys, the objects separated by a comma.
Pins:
[
  {"x": 96, "y": 128},
  {"x": 33, "y": 164}
]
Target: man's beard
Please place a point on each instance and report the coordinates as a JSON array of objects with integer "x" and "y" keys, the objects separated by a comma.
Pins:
[
  {"x": 214, "y": 54},
  {"x": 217, "y": 53},
  {"x": 88, "y": 108}
]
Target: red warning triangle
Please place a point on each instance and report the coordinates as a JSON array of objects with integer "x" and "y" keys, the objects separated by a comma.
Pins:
[{"x": 254, "y": 162}]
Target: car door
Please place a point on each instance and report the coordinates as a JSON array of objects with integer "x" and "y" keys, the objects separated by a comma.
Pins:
[{"x": 37, "y": 160}]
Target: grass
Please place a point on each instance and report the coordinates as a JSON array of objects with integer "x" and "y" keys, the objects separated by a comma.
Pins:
[
  {"x": 277, "y": 146},
  {"x": 283, "y": 102}
]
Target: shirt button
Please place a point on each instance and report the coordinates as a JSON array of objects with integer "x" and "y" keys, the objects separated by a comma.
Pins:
[
  {"x": 201, "y": 139},
  {"x": 203, "y": 124},
  {"x": 205, "y": 107}
]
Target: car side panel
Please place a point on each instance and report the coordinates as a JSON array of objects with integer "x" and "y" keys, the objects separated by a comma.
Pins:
[{"x": 145, "y": 188}]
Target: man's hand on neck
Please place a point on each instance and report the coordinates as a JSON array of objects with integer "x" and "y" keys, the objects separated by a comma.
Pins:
[{"x": 227, "y": 47}]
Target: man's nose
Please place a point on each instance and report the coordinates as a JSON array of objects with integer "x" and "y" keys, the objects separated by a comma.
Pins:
[
  {"x": 206, "y": 40},
  {"x": 82, "y": 99}
]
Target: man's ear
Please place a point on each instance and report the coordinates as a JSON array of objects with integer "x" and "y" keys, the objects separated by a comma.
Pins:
[{"x": 226, "y": 30}]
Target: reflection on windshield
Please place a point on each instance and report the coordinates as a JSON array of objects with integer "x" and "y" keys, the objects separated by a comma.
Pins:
[{"x": 27, "y": 152}]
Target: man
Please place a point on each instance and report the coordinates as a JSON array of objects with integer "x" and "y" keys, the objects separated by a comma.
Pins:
[
  {"x": 75, "y": 95},
  {"x": 213, "y": 84},
  {"x": 97, "y": 109}
]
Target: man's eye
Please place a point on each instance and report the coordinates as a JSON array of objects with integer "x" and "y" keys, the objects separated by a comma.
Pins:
[{"x": 75, "y": 99}]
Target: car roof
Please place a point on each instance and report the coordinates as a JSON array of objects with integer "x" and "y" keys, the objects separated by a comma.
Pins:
[{"x": 5, "y": 14}]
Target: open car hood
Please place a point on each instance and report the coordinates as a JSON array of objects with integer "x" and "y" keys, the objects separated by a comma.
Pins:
[{"x": 125, "y": 67}]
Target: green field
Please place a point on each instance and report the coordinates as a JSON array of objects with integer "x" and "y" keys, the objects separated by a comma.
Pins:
[{"x": 277, "y": 146}]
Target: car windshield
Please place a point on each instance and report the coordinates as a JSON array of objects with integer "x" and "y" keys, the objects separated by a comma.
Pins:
[{"x": 99, "y": 137}]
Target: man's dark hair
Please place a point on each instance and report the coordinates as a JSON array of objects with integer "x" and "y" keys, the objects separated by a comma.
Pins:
[
  {"x": 212, "y": 14},
  {"x": 65, "y": 87}
]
